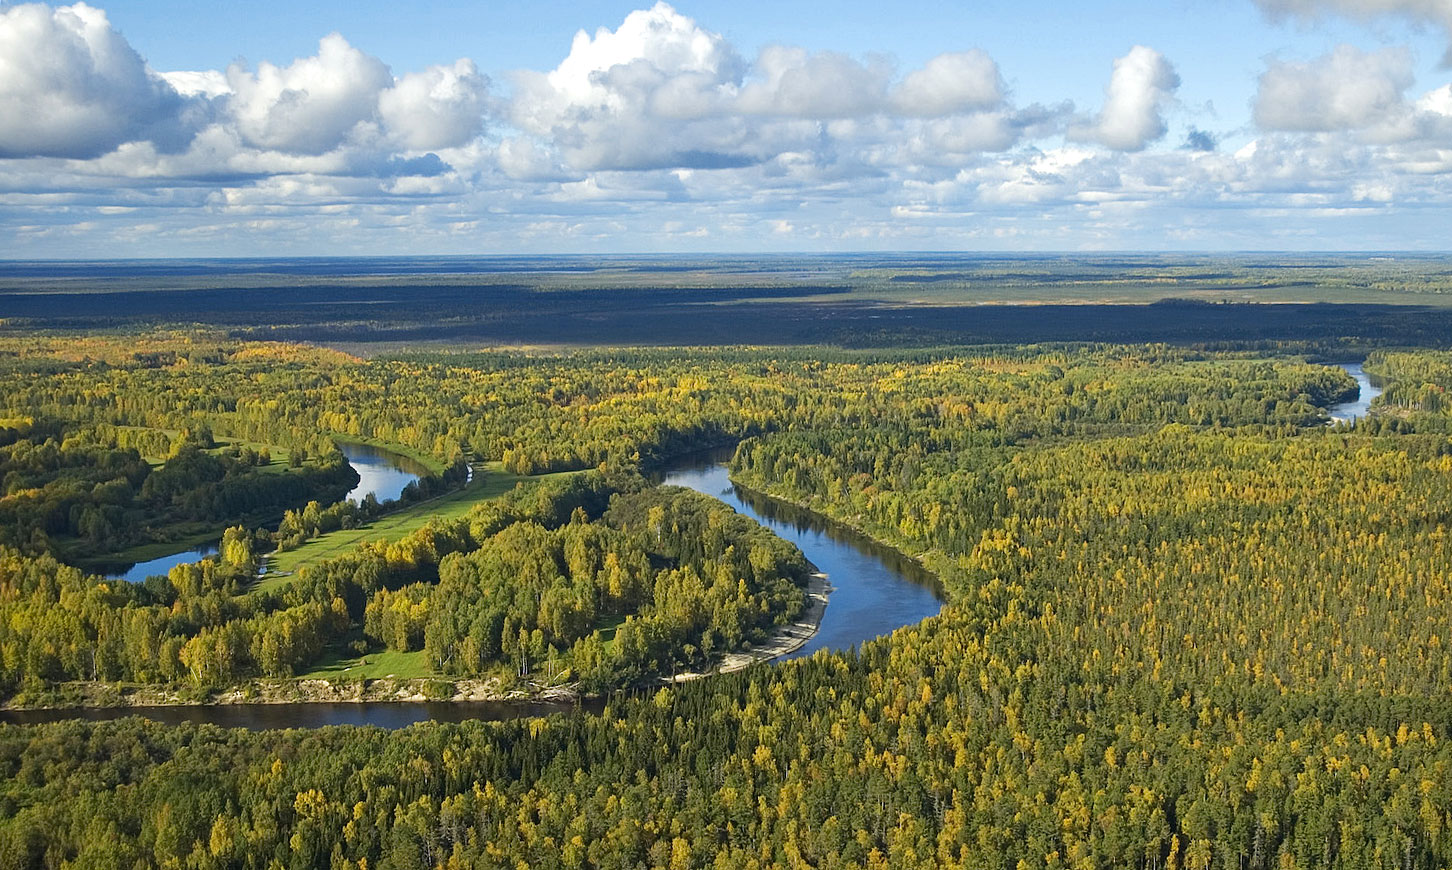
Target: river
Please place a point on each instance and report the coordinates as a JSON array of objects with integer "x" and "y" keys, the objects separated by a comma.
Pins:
[
  {"x": 1345, "y": 412},
  {"x": 874, "y": 590},
  {"x": 381, "y": 472}
]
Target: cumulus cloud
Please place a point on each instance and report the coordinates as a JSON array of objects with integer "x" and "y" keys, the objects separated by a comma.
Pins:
[
  {"x": 663, "y": 92},
  {"x": 950, "y": 83},
  {"x": 441, "y": 107},
  {"x": 310, "y": 106},
  {"x": 658, "y": 128},
  {"x": 71, "y": 86},
  {"x": 796, "y": 83},
  {"x": 1141, "y": 86},
  {"x": 657, "y": 60},
  {"x": 1347, "y": 89},
  {"x": 343, "y": 96},
  {"x": 636, "y": 97},
  {"x": 1437, "y": 13}
]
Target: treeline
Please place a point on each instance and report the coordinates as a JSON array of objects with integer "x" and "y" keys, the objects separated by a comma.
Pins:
[
  {"x": 621, "y": 408},
  {"x": 95, "y": 499}
]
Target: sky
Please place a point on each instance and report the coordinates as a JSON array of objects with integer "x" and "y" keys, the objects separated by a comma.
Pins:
[{"x": 183, "y": 129}]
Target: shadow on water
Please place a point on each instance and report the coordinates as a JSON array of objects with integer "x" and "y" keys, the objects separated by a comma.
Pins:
[{"x": 262, "y": 717}]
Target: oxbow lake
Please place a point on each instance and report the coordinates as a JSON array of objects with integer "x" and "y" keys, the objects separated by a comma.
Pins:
[{"x": 381, "y": 472}]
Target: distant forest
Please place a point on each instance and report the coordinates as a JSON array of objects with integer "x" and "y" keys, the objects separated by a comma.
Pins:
[{"x": 857, "y": 301}]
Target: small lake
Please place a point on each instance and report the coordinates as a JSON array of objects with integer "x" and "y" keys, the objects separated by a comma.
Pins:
[
  {"x": 874, "y": 591},
  {"x": 1345, "y": 412},
  {"x": 138, "y": 572},
  {"x": 381, "y": 472}
]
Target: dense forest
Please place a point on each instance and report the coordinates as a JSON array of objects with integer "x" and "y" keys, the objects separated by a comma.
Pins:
[{"x": 1189, "y": 624}]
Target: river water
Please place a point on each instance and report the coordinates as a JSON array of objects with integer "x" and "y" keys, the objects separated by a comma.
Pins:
[
  {"x": 874, "y": 590},
  {"x": 1345, "y": 412},
  {"x": 381, "y": 472}
]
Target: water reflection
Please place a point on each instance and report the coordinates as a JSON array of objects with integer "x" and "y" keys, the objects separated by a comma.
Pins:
[
  {"x": 381, "y": 472},
  {"x": 138, "y": 572},
  {"x": 260, "y": 717},
  {"x": 875, "y": 589},
  {"x": 1345, "y": 412}
]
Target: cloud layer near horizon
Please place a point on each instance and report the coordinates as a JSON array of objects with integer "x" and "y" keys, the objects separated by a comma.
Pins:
[{"x": 660, "y": 130}]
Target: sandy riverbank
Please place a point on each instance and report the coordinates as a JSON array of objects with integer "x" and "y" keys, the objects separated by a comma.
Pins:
[
  {"x": 374, "y": 691},
  {"x": 783, "y": 641}
]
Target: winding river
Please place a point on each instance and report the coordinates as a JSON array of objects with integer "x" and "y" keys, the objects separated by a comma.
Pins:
[
  {"x": 1345, "y": 412},
  {"x": 874, "y": 590}
]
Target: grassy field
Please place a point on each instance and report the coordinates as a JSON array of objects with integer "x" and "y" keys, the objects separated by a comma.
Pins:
[
  {"x": 490, "y": 481},
  {"x": 370, "y": 666}
]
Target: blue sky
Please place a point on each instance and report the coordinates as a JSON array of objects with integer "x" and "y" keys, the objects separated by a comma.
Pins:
[{"x": 184, "y": 129}]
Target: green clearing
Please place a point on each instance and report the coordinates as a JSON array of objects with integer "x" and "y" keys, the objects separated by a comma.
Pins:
[
  {"x": 490, "y": 481},
  {"x": 608, "y": 626},
  {"x": 370, "y": 666}
]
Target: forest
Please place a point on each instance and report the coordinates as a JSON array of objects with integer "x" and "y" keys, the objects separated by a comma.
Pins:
[{"x": 1190, "y": 622}]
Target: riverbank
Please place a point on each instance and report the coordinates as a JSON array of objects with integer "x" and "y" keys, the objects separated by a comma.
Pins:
[
  {"x": 785, "y": 640},
  {"x": 856, "y": 526},
  {"x": 97, "y": 695}
]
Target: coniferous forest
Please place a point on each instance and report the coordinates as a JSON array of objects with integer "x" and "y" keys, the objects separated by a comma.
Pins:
[{"x": 1189, "y": 621}]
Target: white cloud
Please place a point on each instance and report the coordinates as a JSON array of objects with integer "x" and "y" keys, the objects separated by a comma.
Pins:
[
  {"x": 950, "y": 83},
  {"x": 663, "y": 92},
  {"x": 1434, "y": 12},
  {"x": 344, "y": 97},
  {"x": 646, "y": 95},
  {"x": 441, "y": 107},
  {"x": 1142, "y": 85},
  {"x": 795, "y": 83},
  {"x": 71, "y": 86},
  {"x": 208, "y": 83},
  {"x": 658, "y": 126},
  {"x": 1347, "y": 89},
  {"x": 311, "y": 106}
]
